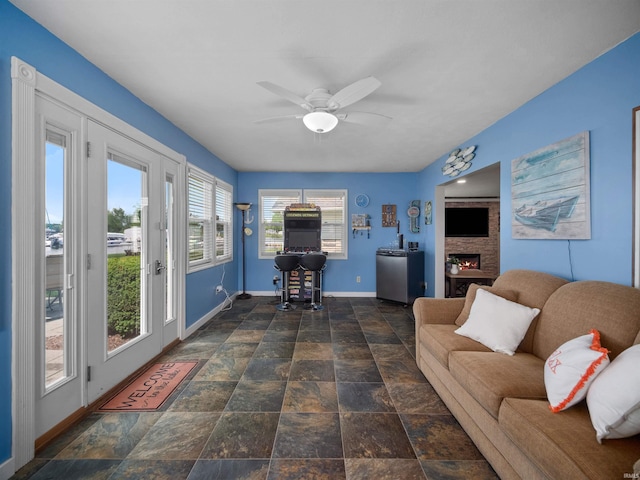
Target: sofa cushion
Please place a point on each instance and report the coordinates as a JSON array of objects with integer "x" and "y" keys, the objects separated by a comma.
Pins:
[
  {"x": 613, "y": 310},
  {"x": 490, "y": 377},
  {"x": 614, "y": 399},
  {"x": 533, "y": 289},
  {"x": 562, "y": 444},
  {"x": 570, "y": 370},
  {"x": 497, "y": 323},
  {"x": 471, "y": 296},
  {"x": 441, "y": 340}
]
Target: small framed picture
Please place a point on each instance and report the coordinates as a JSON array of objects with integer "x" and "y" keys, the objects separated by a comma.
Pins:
[{"x": 428, "y": 208}]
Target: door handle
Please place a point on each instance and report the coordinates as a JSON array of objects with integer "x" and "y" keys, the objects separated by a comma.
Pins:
[{"x": 159, "y": 267}]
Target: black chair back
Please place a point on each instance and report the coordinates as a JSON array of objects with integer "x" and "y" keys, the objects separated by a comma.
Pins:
[
  {"x": 287, "y": 263},
  {"x": 313, "y": 261}
]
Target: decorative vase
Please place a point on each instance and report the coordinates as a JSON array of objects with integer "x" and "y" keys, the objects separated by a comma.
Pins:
[{"x": 454, "y": 268}]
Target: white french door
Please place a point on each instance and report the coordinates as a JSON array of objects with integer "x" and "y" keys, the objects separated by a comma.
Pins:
[
  {"x": 109, "y": 297},
  {"x": 79, "y": 221},
  {"x": 169, "y": 241},
  {"x": 129, "y": 283},
  {"x": 59, "y": 387}
]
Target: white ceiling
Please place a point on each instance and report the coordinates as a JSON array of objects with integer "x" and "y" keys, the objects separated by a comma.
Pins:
[
  {"x": 449, "y": 69},
  {"x": 481, "y": 184}
]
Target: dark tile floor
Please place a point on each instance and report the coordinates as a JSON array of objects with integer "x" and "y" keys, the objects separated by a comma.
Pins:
[{"x": 282, "y": 395}]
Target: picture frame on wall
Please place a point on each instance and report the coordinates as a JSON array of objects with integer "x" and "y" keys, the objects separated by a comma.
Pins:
[
  {"x": 550, "y": 192},
  {"x": 428, "y": 212}
]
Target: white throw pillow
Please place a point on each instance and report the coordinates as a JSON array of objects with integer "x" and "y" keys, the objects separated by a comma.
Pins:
[
  {"x": 614, "y": 397},
  {"x": 497, "y": 323},
  {"x": 569, "y": 370}
]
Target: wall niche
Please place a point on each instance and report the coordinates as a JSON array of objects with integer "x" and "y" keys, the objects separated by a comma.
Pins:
[{"x": 487, "y": 247}]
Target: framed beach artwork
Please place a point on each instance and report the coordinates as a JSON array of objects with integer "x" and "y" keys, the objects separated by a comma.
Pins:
[
  {"x": 550, "y": 195},
  {"x": 636, "y": 198}
]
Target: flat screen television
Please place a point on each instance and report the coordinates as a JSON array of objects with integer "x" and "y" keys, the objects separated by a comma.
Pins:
[
  {"x": 466, "y": 222},
  {"x": 302, "y": 240}
]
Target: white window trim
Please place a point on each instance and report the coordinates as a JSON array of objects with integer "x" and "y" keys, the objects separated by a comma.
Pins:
[
  {"x": 302, "y": 193},
  {"x": 212, "y": 260}
]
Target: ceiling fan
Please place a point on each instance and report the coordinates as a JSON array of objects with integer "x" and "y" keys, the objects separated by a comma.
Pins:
[{"x": 323, "y": 109}]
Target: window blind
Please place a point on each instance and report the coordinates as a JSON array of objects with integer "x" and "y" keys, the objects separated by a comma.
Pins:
[
  {"x": 200, "y": 219},
  {"x": 224, "y": 223},
  {"x": 272, "y": 205},
  {"x": 332, "y": 203}
]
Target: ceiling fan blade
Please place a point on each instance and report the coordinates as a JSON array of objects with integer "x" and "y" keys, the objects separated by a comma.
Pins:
[
  {"x": 278, "y": 119},
  {"x": 286, "y": 94},
  {"x": 354, "y": 92},
  {"x": 364, "y": 118}
]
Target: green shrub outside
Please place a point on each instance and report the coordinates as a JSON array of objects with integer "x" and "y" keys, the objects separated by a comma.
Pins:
[{"x": 123, "y": 295}]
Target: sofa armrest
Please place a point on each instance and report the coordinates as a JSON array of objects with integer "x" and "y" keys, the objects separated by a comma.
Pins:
[{"x": 437, "y": 310}]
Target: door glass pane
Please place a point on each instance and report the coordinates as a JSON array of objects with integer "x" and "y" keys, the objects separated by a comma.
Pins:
[
  {"x": 55, "y": 321},
  {"x": 169, "y": 256},
  {"x": 126, "y": 256}
]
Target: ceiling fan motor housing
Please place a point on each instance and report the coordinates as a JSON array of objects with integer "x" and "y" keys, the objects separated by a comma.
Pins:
[{"x": 319, "y": 99}]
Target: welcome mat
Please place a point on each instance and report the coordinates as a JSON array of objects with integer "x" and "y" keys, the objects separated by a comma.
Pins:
[{"x": 150, "y": 389}]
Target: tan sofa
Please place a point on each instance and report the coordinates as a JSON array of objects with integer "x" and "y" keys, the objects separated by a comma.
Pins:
[{"x": 501, "y": 401}]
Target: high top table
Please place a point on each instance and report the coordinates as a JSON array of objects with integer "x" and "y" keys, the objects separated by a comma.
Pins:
[{"x": 465, "y": 277}]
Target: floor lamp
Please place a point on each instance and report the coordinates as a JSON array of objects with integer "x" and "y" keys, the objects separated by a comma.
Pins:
[{"x": 243, "y": 207}]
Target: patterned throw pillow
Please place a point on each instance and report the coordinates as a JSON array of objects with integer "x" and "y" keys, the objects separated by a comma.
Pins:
[{"x": 569, "y": 370}]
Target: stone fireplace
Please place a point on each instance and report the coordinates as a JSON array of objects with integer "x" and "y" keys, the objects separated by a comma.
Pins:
[{"x": 486, "y": 247}]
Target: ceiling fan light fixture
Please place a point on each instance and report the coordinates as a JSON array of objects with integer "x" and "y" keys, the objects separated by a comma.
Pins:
[{"x": 320, "y": 122}]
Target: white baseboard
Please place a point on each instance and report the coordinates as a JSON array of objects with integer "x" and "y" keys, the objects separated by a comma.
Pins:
[
  {"x": 264, "y": 293},
  {"x": 206, "y": 317},
  {"x": 7, "y": 469}
]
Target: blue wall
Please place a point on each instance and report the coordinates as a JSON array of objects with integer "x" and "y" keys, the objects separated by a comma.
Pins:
[
  {"x": 340, "y": 275},
  {"x": 22, "y": 37},
  {"x": 598, "y": 98}
]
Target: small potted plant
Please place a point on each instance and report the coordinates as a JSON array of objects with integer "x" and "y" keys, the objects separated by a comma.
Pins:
[{"x": 455, "y": 262}]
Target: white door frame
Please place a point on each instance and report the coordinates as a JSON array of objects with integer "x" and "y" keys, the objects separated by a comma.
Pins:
[
  {"x": 26, "y": 81},
  {"x": 438, "y": 212}
]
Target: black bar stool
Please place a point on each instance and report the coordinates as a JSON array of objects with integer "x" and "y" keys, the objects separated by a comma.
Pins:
[
  {"x": 315, "y": 263},
  {"x": 286, "y": 264}
]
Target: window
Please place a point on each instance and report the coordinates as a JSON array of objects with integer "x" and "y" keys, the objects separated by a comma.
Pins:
[
  {"x": 224, "y": 223},
  {"x": 210, "y": 239},
  {"x": 272, "y": 205},
  {"x": 333, "y": 204}
]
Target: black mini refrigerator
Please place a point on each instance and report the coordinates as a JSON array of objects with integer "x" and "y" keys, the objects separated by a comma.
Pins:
[{"x": 399, "y": 275}]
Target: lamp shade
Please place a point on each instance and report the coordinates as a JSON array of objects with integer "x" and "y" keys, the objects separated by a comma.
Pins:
[
  {"x": 243, "y": 206},
  {"x": 320, "y": 122}
]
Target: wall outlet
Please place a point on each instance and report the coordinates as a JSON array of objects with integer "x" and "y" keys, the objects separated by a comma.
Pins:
[
  {"x": 219, "y": 288},
  {"x": 276, "y": 279},
  {"x": 358, "y": 279}
]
